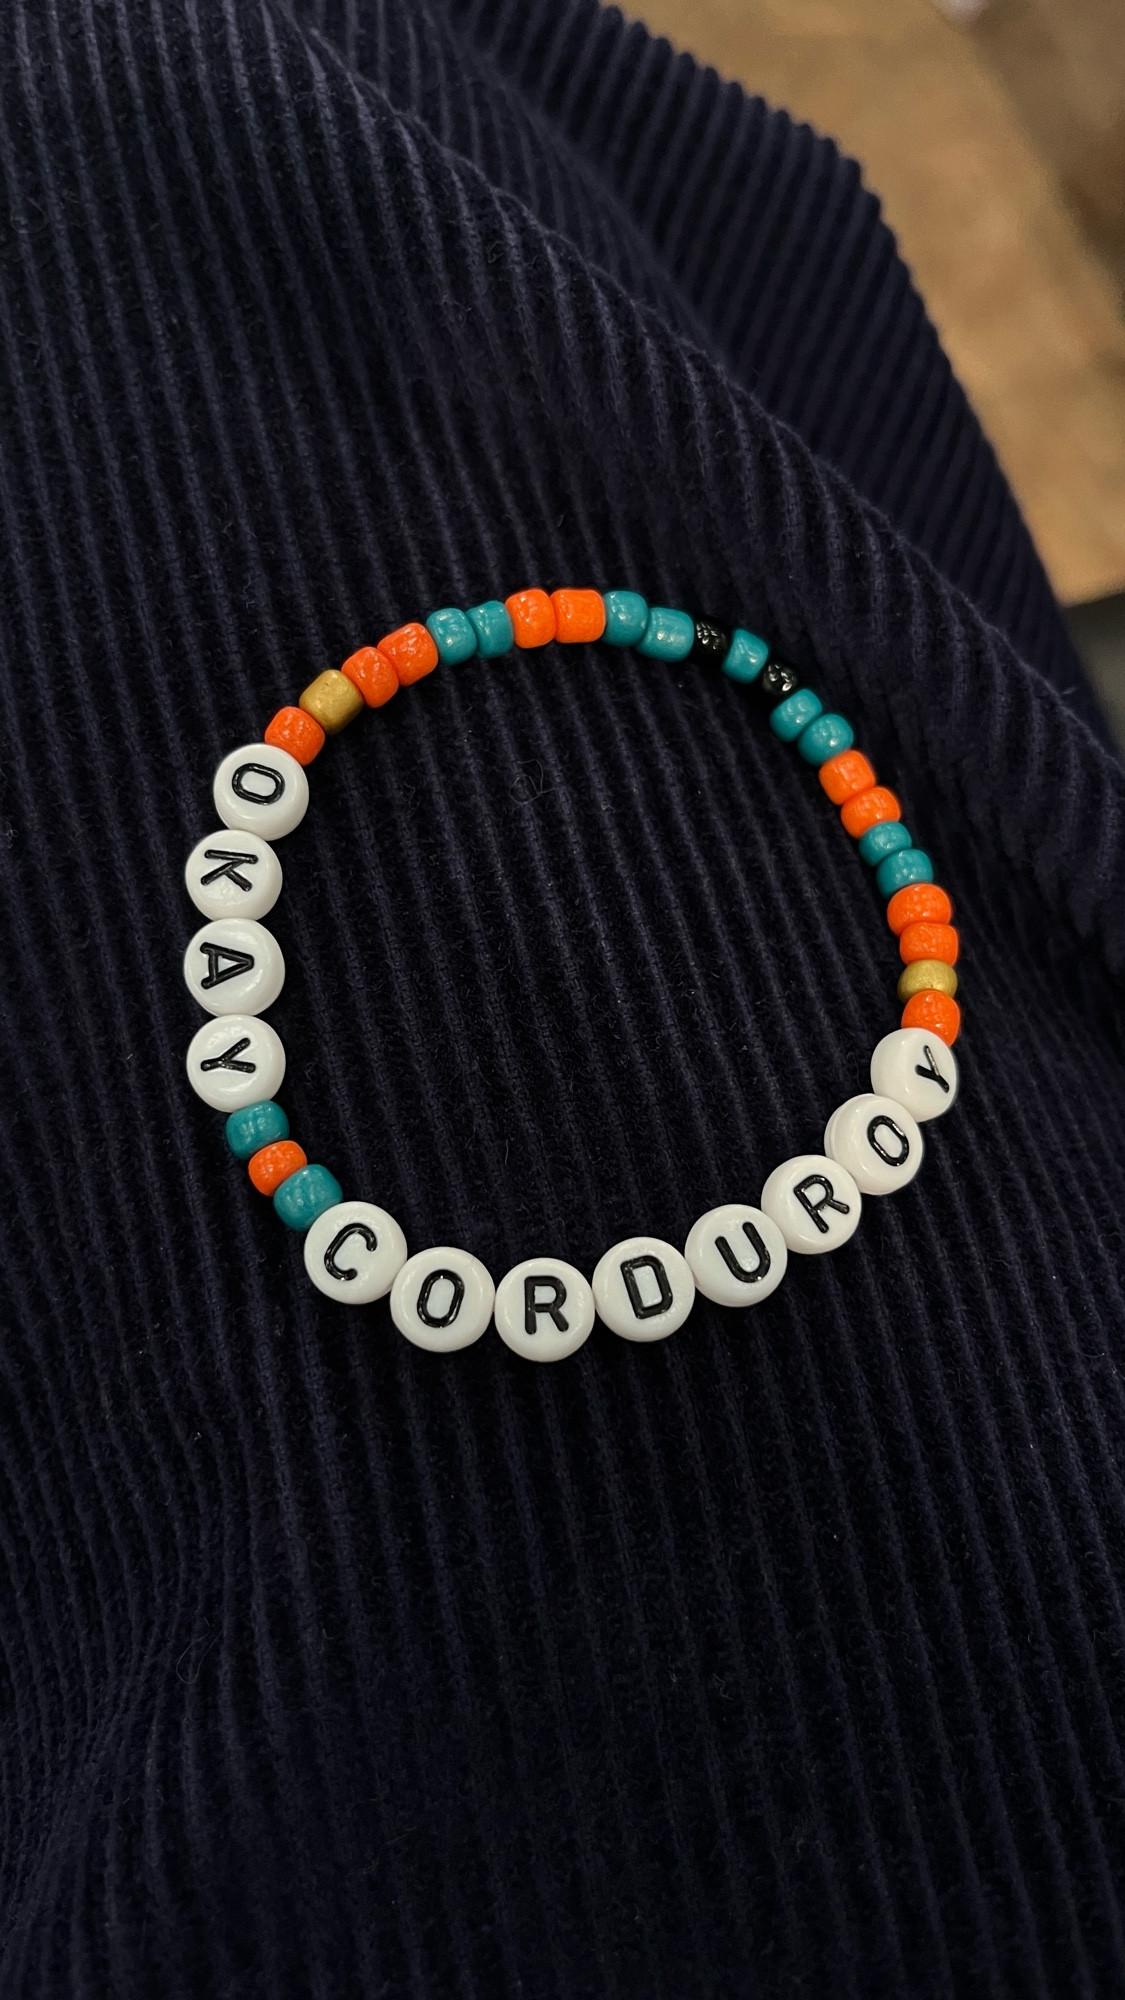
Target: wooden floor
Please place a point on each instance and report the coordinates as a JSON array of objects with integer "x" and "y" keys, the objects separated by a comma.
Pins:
[{"x": 952, "y": 126}]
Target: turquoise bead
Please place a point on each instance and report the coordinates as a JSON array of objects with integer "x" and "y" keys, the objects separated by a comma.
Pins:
[
  {"x": 453, "y": 636},
  {"x": 825, "y": 738},
  {"x": 255, "y": 1126},
  {"x": 305, "y": 1195},
  {"x": 794, "y": 714},
  {"x": 626, "y": 615},
  {"x": 668, "y": 635},
  {"x": 493, "y": 627},
  {"x": 889, "y": 837},
  {"x": 748, "y": 655},
  {"x": 898, "y": 871}
]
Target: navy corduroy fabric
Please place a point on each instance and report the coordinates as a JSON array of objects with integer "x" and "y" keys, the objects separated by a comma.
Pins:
[{"x": 785, "y": 1658}]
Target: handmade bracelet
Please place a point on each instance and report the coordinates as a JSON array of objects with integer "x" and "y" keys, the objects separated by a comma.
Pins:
[{"x": 643, "y": 1288}]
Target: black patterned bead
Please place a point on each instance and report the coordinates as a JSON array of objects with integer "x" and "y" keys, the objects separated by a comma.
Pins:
[
  {"x": 777, "y": 682},
  {"x": 711, "y": 643}
]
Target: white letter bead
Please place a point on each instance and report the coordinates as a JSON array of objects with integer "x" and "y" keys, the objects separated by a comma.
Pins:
[
  {"x": 643, "y": 1288},
  {"x": 354, "y": 1251},
  {"x": 544, "y": 1309},
  {"x": 737, "y": 1255},
  {"x": 917, "y": 1069},
  {"x": 233, "y": 875},
  {"x": 261, "y": 790},
  {"x": 235, "y": 1060},
  {"x": 878, "y": 1142},
  {"x": 814, "y": 1202},
  {"x": 234, "y": 966},
  {"x": 442, "y": 1299}
]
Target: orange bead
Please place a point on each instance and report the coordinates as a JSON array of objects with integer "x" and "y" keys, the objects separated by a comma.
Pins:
[
  {"x": 291, "y": 729},
  {"x": 533, "y": 617},
  {"x": 373, "y": 675},
  {"x": 274, "y": 1164},
  {"x": 579, "y": 615},
  {"x": 918, "y": 903},
  {"x": 869, "y": 808},
  {"x": 935, "y": 1011},
  {"x": 928, "y": 941},
  {"x": 845, "y": 774},
  {"x": 411, "y": 651}
]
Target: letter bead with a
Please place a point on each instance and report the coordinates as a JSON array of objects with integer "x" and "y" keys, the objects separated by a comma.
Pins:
[{"x": 234, "y": 966}]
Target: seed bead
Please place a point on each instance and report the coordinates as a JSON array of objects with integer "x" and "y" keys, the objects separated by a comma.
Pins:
[
  {"x": 533, "y": 617},
  {"x": 929, "y": 941},
  {"x": 777, "y": 681},
  {"x": 626, "y": 615},
  {"x": 274, "y": 1163},
  {"x": 927, "y": 974},
  {"x": 254, "y": 1127},
  {"x": 579, "y": 616},
  {"x": 886, "y": 837},
  {"x": 453, "y": 634},
  {"x": 295, "y": 730},
  {"x": 332, "y": 700},
  {"x": 936, "y": 1011},
  {"x": 305, "y": 1195},
  {"x": 668, "y": 635},
  {"x": 825, "y": 738},
  {"x": 846, "y": 775},
  {"x": 911, "y": 864},
  {"x": 373, "y": 674},
  {"x": 918, "y": 902},
  {"x": 795, "y": 713},
  {"x": 711, "y": 643},
  {"x": 411, "y": 652},
  {"x": 873, "y": 807},
  {"x": 493, "y": 627},
  {"x": 747, "y": 656}
]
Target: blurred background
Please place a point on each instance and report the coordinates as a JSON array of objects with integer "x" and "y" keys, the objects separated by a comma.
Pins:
[{"x": 995, "y": 136}]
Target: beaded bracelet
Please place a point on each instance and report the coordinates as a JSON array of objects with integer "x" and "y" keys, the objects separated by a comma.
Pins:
[{"x": 643, "y": 1288}]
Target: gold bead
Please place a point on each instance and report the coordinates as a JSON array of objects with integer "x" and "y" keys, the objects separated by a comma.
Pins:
[
  {"x": 332, "y": 700},
  {"x": 927, "y": 975}
]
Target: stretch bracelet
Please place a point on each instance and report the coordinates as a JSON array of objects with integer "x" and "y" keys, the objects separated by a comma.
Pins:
[{"x": 643, "y": 1288}]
